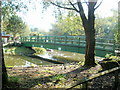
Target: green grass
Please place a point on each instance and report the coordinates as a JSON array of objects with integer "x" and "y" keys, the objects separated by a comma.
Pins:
[
  {"x": 58, "y": 77},
  {"x": 18, "y": 51},
  {"x": 14, "y": 79},
  {"x": 39, "y": 50}
]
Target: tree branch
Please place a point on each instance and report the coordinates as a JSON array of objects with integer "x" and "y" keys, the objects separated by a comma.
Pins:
[
  {"x": 62, "y": 6},
  {"x": 73, "y": 6},
  {"x": 98, "y": 5},
  {"x": 70, "y": 4},
  {"x": 86, "y": 2},
  {"x": 81, "y": 12}
]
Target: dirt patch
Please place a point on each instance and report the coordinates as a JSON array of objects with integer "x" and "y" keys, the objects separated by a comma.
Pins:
[{"x": 56, "y": 76}]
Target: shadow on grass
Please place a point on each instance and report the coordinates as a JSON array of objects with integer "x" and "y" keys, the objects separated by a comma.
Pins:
[
  {"x": 80, "y": 69},
  {"x": 40, "y": 81},
  {"x": 28, "y": 83}
]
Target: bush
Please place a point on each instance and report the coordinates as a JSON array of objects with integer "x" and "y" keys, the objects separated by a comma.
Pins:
[{"x": 39, "y": 50}]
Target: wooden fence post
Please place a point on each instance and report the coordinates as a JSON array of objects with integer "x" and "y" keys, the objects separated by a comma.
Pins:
[
  {"x": 65, "y": 39},
  {"x": 38, "y": 38},
  {"x": 116, "y": 80},
  {"x": 79, "y": 41},
  {"x": 85, "y": 86},
  {"x": 114, "y": 47}
]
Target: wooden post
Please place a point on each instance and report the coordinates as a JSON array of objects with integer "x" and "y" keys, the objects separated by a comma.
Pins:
[
  {"x": 79, "y": 41},
  {"x": 20, "y": 39},
  {"x": 35, "y": 38},
  {"x": 25, "y": 39},
  {"x": 85, "y": 86},
  {"x": 30, "y": 39},
  {"x": 55, "y": 39},
  {"x": 38, "y": 38},
  {"x": 114, "y": 46},
  {"x": 45, "y": 38},
  {"x": 72, "y": 40},
  {"x": 41, "y": 38},
  {"x": 65, "y": 39},
  {"x": 116, "y": 80}
]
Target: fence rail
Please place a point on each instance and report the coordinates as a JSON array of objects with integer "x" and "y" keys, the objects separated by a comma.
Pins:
[
  {"x": 70, "y": 43},
  {"x": 101, "y": 43}
]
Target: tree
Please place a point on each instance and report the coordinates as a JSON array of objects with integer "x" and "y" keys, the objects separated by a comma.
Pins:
[
  {"x": 68, "y": 25},
  {"x": 10, "y": 19},
  {"x": 10, "y": 8},
  {"x": 5, "y": 13},
  {"x": 105, "y": 27},
  {"x": 87, "y": 21},
  {"x": 116, "y": 25},
  {"x": 4, "y": 71},
  {"x": 15, "y": 25},
  {"x": 26, "y": 32}
]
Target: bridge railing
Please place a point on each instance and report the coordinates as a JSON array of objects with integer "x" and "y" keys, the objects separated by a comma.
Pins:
[
  {"x": 101, "y": 43},
  {"x": 55, "y": 39}
]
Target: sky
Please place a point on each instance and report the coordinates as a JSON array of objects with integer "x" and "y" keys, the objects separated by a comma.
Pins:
[
  {"x": 106, "y": 6},
  {"x": 35, "y": 17}
]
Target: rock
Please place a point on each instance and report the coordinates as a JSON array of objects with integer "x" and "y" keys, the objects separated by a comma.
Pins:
[{"x": 108, "y": 64}]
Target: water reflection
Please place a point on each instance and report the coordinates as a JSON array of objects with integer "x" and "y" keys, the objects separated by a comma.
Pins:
[
  {"x": 62, "y": 56},
  {"x": 16, "y": 60},
  {"x": 66, "y": 56}
]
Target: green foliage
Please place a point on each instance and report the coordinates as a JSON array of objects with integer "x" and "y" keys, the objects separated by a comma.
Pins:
[
  {"x": 115, "y": 58},
  {"x": 108, "y": 27},
  {"x": 37, "y": 31},
  {"x": 26, "y": 31},
  {"x": 58, "y": 77},
  {"x": 15, "y": 25},
  {"x": 18, "y": 51},
  {"x": 39, "y": 50},
  {"x": 11, "y": 23},
  {"x": 14, "y": 79},
  {"x": 105, "y": 27},
  {"x": 81, "y": 62},
  {"x": 39, "y": 84},
  {"x": 69, "y": 25},
  {"x": 108, "y": 55},
  {"x": 72, "y": 25}
]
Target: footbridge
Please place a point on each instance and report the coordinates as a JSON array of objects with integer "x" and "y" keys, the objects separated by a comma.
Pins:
[{"x": 69, "y": 43}]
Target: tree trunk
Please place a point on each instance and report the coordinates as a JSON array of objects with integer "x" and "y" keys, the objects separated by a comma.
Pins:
[
  {"x": 88, "y": 25},
  {"x": 90, "y": 46},
  {"x": 4, "y": 71},
  {"x": 90, "y": 36}
]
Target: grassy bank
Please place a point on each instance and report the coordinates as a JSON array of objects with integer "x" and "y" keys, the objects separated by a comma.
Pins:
[{"x": 18, "y": 51}]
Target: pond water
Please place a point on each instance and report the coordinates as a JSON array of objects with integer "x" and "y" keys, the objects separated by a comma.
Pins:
[
  {"x": 16, "y": 60},
  {"x": 61, "y": 56},
  {"x": 66, "y": 57}
]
